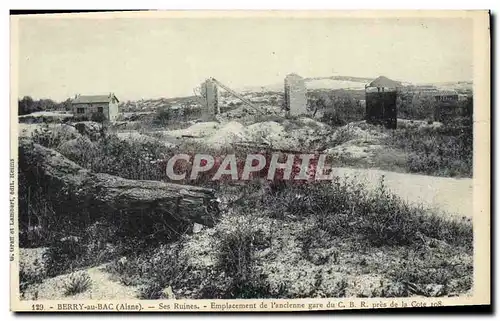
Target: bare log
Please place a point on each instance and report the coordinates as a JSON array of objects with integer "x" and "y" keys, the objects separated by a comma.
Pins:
[{"x": 106, "y": 195}]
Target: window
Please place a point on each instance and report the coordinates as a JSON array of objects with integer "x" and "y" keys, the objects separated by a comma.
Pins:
[
  {"x": 100, "y": 109},
  {"x": 80, "y": 110}
]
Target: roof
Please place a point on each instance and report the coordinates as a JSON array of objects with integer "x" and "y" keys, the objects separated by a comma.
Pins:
[
  {"x": 293, "y": 75},
  {"x": 446, "y": 93},
  {"x": 385, "y": 82},
  {"x": 87, "y": 99}
]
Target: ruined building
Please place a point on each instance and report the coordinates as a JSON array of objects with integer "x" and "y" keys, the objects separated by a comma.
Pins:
[
  {"x": 381, "y": 96},
  {"x": 295, "y": 95},
  {"x": 446, "y": 105},
  {"x": 210, "y": 97}
]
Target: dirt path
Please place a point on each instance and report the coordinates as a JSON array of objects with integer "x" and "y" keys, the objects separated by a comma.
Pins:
[
  {"x": 103, "y": 287},
  {"x": 452, "y": 195}
]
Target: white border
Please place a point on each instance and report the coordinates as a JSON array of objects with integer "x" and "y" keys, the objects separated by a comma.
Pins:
[{"x": 256, "y": 4}]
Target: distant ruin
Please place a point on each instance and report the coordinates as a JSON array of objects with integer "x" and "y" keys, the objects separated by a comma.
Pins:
[
  {"x": 381, "y": 96},
  {"x": 295, "y": 95},
  {"x": 446, "y": 105}
]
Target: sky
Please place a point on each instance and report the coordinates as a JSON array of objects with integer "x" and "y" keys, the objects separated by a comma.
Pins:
[{"x": 163, "y": 57}]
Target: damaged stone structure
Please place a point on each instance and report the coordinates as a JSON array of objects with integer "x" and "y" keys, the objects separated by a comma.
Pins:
[
  {"x": 446, "y": 105},
  {"x": 295, "y": 95},
  {"x": 381, "y": 97},
  {"x": 210, "y": 96}
]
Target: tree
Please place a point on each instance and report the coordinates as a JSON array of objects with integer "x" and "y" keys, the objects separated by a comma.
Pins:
[
  {"x": 26, "y": 106},
  {"x": 163, "y": 115}
]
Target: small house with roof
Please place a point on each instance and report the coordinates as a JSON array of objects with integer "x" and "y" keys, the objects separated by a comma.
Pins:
[
  {"x": 95, "y": 106},
  {"x": 381, "y": 97}
]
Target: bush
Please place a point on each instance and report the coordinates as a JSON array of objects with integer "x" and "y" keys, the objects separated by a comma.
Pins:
[
  {"x": 163, "y": 116},
  {"x": 333, "y": 118},
  {"x": 28, "y": 278},
  {"x": 64, "y": 256},
  {"x": 49, "y": 137},
  {"x": 38, "y": 223},
  {"x": 98, "y": 117},
  {"x": 339, "y": 107},
  {"x": 125, "y": 158},
  {"x": 444, "y": 151},
  {"x": 28, "y": 105},
  {"x": 235, "y": 258},
  {"x": 154, "y": 270},
  {"x": 415, "y": 106},
  {"x": 242, "y": 256},
  {"x": 78, "y": 283},
  {"x": 347, "y": 210}
]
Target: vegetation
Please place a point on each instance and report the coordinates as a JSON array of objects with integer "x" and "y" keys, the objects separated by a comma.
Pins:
[
  {"x": 339, "y": 233},
  {"x": 253, "y": 254},
  {"x": 98, "y": 117},
  {"x": 77, "y": 283},
  {"x": 443, "y": 151},
  {"x": 29, "y": 277},
  {"x": 28, "y": 105},
  {"x": 339, "y": 107}
]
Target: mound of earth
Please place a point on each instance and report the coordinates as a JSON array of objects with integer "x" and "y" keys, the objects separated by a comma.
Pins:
[
  {"x": 298, "y": 134},
  {"x": 356, "y": 141},
  {"x": 227, "y": 134},
  {"x": 138, "y": 137},
  {"x": 197, "y": 130},
  {"x": 78, "y": 147}
]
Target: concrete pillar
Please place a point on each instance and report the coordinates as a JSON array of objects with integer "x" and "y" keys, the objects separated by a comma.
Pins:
[
  {"x": 295, "y": 95},
  {"x": 211, "y": 99}
]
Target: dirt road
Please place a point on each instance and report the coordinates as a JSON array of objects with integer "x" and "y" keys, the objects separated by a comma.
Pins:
[
  {"x": 451, "y": 195},
  {"x": 102, "y": 287}
]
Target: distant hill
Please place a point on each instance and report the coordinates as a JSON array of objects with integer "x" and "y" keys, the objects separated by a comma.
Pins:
[
  {"x": 313, "y": 83},
  {"x": 343, "y": 78},
  {"x": 350, "y": 83}
]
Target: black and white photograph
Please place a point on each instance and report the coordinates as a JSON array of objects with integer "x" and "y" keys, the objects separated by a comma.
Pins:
[{"x": 217, "y": 156}]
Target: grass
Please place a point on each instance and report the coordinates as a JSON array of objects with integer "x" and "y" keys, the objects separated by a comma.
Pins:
[
  {"x": 78, "y": 282},
  {"x": 445, "y": 151},
  {"x": 27, "y": 278},
  {"x": 153, "y": 271},
  {"x": 347, "y": 210},
  {"x": 335, "y": 232},
  {"x": 235, "y": 258}
]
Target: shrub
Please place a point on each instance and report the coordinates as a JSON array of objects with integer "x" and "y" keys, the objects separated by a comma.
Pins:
[
  {"x": 37, "y": 213},
  {"x": 28, "y": 277},
  {"x": 78, "y": 282},
  {"x": 235, "y": 258},
  {"x": 333, "y": 118},
  {"x": 339, "y": 106},
  {"x": 50, "y": 137},
  {"x": 346, "y": 209},
  {"x": 163, "y": 115},
  {"x": 125, "y": 158},
  {"x": 63, "y": 256},
  {"x": 98, "y": 117},
  {"x": 445, "y": 151},
  {"x": 154, "y": 269}
]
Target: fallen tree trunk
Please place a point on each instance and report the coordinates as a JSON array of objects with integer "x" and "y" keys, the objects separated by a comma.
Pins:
[{"x": 124, "y": 201}]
